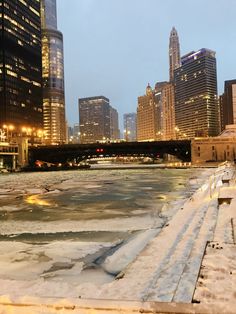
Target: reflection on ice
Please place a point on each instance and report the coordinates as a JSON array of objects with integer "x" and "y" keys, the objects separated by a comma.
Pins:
[{"x": 35, "y": 200}]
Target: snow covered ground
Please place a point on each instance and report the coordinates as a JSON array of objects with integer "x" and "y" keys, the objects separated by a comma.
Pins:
[
  {"x": 217, "y": 279},
  {"x": 65, "y": 232},
  {"x": 155, "y": 254}
]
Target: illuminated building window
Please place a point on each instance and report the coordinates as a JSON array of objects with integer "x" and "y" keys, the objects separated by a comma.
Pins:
[{"x": 21, "y": 32}]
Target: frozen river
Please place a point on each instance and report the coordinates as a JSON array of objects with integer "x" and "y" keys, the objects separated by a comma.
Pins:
[{"x": 62, "y": 232}]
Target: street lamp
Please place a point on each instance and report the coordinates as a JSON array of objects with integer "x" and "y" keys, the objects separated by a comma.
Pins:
[
  {"x": 9, "y": 128},
  {"x": 28, "y": 133},
  {"x": 2, "y": 136}
]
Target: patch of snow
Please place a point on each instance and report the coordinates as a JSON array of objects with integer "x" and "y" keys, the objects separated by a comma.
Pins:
[{"x": 217, "y": 280}]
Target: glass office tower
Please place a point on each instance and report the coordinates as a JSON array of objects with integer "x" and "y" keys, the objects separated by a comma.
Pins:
[
  {"x": 20, "y": 65},
  {"x": 53, "y": 76},
  {"x": 196, "y": 100},
  {"x": 49, "y": 14}
]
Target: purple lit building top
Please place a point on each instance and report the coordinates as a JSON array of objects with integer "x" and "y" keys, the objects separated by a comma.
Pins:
[{"x": 193, "y": 55}]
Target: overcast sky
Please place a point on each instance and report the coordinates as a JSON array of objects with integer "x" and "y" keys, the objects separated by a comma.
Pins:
[{"x": 115, "y": 47}]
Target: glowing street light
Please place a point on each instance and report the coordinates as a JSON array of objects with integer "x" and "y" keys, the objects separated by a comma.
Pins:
[
  {"x": 9, "y": 128},
  {"x": 126, "y": 135},
  {"x": 2, "y": 136}
]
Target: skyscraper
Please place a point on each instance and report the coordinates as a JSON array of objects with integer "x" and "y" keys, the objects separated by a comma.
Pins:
[
  {"x": 76, "y": 133},
  {"x": 53, "y": 75},
  {"x": 168, "y": 112},
  {"x": 174, "y": 53},
  {"x": 94, "y": 119},
  {"x": 158, "y": 94},
  {"x": 20, "y": 65},
  {"x": 49, "y": 14},
  {"x": 147, "y": 116},
  {"x": 228, "y": 104},
  {"x": 130, "y": 127},
  {"x": 196, "y": 100},
  {"x": 114, "y": 124}
]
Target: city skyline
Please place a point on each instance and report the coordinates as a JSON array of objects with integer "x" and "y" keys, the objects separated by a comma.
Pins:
[{"x": 135, "y": 52}]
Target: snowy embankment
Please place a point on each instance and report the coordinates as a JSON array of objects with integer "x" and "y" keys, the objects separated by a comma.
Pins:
[
  {"x": 55, "y": 241},
  {"x": 167, "y": 269},
  {"x": 164, "y": 269},
  {"x": 217, "y": 280}
]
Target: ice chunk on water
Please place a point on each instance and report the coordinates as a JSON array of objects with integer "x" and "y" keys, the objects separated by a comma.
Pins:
[{"x": 127, "y": 253}]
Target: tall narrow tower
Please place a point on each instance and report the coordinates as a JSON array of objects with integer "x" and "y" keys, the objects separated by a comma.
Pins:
[
  {"x": 174, "y": 52},
  {"x": 53, "y": 75}
]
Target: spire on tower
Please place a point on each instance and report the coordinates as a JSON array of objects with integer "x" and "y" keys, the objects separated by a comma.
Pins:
[
  {"x": 174, "y": 52},
  {"x": 148, "y": 90},
  {"x": 173, "y": 32}
]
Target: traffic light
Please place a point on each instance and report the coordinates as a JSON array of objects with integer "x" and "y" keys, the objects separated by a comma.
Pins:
[{"x": 99, "y": 150}]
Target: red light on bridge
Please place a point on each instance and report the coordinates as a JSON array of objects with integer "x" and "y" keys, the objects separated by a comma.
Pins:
[{"x": 99, "y": 150}]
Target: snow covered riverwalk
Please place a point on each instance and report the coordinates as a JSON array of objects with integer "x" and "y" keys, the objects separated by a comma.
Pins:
[{"x": 167, "y": 269}]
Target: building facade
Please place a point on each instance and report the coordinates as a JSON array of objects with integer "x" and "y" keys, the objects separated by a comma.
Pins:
[
  {"x": 76, "y": 133},
  {"x": 174, "y": 53},
  {"x": 196, "y": 100},
  {"x": 228, "y": 104},
  {"x": 215, "y": 149},
  {"x": 168, "y": 112},
  {"x": 159, "y": 98},
  {"x": 130, "y": 127},
  {"x": 20, "y": 65},
  {"x": 94, "y": 119},
  {"x": 147, "y": 116},
  {"x": 53, "y": 76},
  {"x": 114, "y": 120}
]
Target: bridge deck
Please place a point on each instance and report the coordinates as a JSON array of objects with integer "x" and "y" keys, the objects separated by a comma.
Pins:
[{"x": 62, "y": 153}]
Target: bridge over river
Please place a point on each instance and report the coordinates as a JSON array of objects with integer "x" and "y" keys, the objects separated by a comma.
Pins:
[{"x": 63, "y": 153}]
